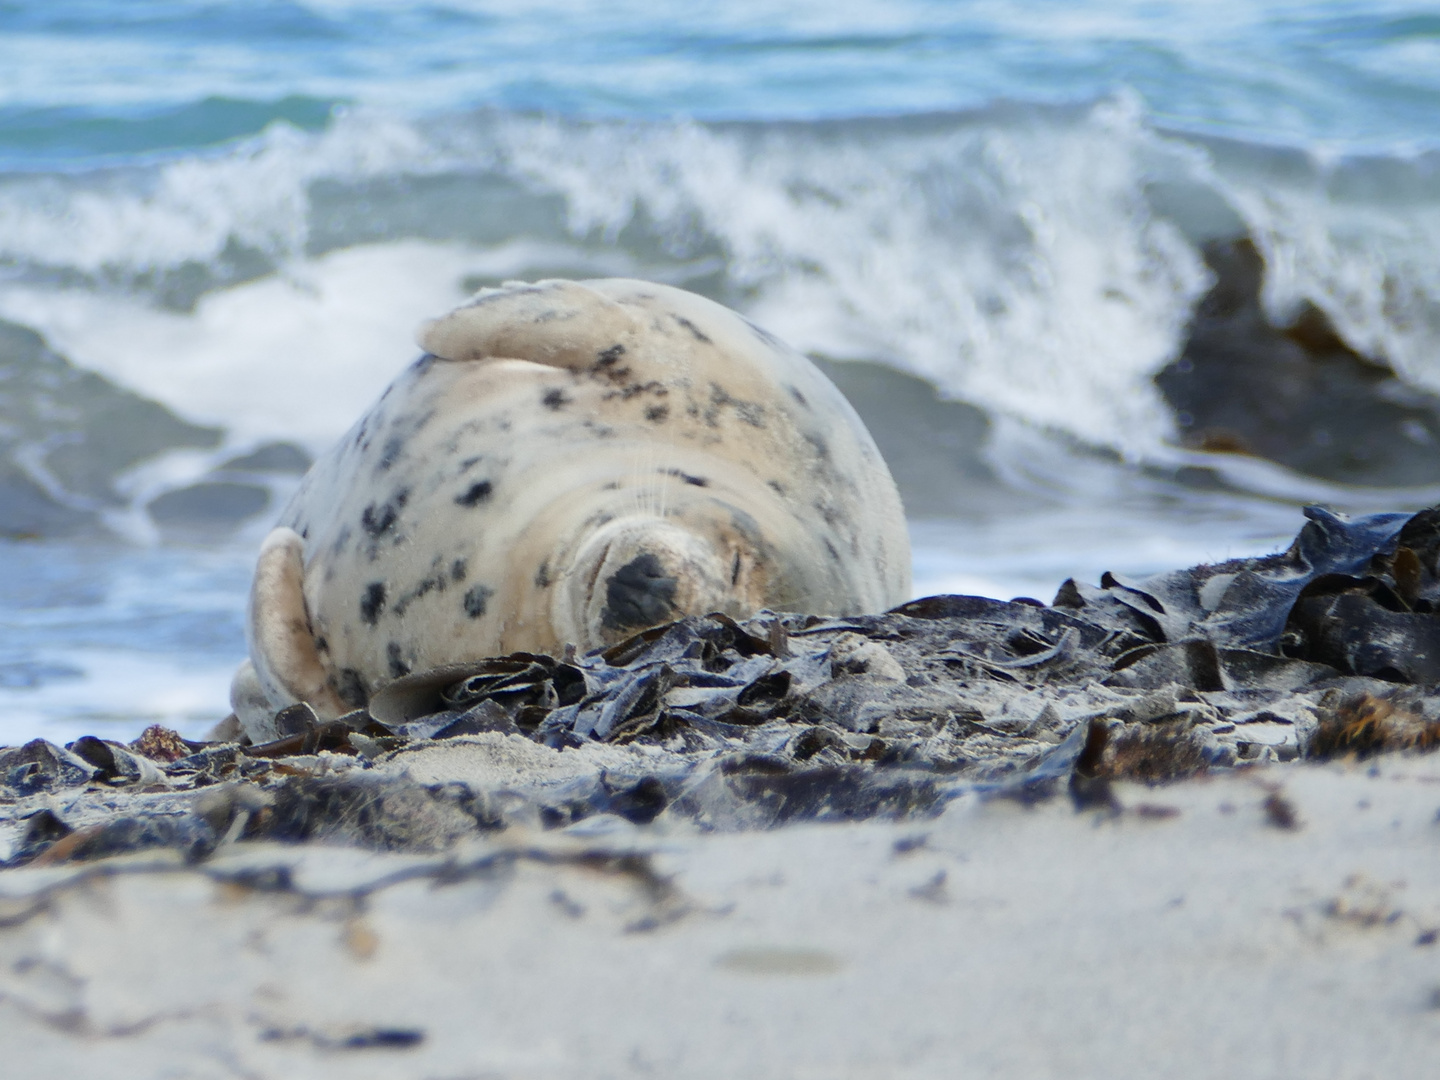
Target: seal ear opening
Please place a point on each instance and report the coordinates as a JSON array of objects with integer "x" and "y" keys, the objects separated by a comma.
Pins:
[
  {"x": 287, "y": 666},
  {"x": 557, "y": 323}
]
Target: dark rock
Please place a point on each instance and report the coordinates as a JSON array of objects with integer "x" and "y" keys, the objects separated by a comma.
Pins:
[
  {"x": 41, "y": 766},
  {"x": 275, "y": 457},
  {"x": 209, "y": 506},
  {"x": 1297, "y": 395},
  {"x": 84, "y": 431}
]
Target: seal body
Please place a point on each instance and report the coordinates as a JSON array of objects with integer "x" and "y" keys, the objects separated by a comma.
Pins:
[{"x": 570, "y": 463}]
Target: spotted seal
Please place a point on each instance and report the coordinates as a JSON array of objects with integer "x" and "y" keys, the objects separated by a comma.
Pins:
[{"x": 568, "y": 463}]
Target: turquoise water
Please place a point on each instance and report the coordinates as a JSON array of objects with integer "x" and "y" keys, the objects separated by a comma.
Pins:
[
  {"x": 240, "y": 212},
  {"x": 84, "y": 80}
]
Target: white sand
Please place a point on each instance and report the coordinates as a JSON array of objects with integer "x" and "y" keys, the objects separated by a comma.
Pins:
[{"x": 997, "y": 941}]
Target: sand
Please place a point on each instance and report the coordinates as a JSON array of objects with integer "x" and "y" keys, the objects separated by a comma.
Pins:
[{"x": 1275, "y": 921}]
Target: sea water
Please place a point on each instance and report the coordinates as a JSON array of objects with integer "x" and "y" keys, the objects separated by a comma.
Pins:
[{"x": 221, "y": 222}]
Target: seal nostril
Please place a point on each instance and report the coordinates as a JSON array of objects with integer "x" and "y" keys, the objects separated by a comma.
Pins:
[{"x": 639, "y": 594}]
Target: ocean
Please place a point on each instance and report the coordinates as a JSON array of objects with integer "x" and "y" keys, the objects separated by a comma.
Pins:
[{"x": 1118, "y": 285}]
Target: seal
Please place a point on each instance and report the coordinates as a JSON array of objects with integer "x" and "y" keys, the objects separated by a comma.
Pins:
[{"x": 567, "y": 464}]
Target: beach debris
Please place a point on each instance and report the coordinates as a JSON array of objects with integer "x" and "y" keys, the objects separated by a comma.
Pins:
[
  {"x": 115, "y": 764},
  {"x": 1368, "y": 724},
  {"x": 41, "y": 766},
  {"x": 1319, "y": 651},
  {"x": 1363, "y": 903},
  {"x": 366, "y": 811},
  {"x": 1280, "y": 812},
  {"x": 159, "y": 743}
]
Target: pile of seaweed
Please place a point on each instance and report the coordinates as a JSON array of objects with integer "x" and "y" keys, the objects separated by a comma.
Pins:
[{"x": 1325, "y": 649}]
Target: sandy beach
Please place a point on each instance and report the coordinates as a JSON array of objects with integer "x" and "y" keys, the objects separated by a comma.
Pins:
[
  {"x": 1137, "y": 777},
  {"x": 1279, "y": 921}
]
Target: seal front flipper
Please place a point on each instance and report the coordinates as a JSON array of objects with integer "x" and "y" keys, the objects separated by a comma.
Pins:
[{"x": 282, "y": 646}]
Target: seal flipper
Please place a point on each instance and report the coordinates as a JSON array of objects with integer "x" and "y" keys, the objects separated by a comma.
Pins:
[
  {"x": 282, "y": 646},
  {"x": 250, "y": 707},
  {"x": 561, "y": 324}
]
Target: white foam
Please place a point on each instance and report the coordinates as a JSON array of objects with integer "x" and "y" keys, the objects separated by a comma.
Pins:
[
  {"x": 1013, "y": 262},
  {"x": 298, "y": 355},
  {"x": 292, "y": 356},
  {"x": 1012, "y": 257},
  {"x": 118, "y": 695},
  {"x": 128, "y": 221},
  {"x": 1366, "y": 258}
]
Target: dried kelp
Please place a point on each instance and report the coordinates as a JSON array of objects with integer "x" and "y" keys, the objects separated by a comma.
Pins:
[{"x": 1320, "y": 650}]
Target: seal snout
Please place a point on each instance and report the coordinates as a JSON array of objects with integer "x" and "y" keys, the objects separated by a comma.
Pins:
[
  {"x": 639, "y": 594},
  {"x": 635, "y": 573}
]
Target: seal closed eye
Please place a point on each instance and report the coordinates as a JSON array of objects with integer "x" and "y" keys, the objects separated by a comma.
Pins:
[{"x": 597, "y": 519}]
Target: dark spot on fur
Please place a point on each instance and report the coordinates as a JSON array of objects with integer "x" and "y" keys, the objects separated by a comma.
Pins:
[
  {"x": 434, "y": 583},
  {"x": 376, "y": 521},
  {"x": 798, "y": 396},
  {"x": 748, "y": 411},
  {"x": 695, "y": 331},
  {"x": 636, "y": 389},
  {"x": 350, "y": 688},
  {"x": 607, "y": 363},
  {"x": 765, "y": 335},
  {"x": 424, "y": 364},
  {"x": 458, "y": 570},
  {"x": 696, "y": 481},
  {"x": 831, "y": 549},
  {"x": 829, "y": 513},
  {"x": 477, "y": 597},
  {"x": 475, "y": 495},
  {"x": 372, "y": 601},
  {"x": 394, "y": 446},
  {"x": 470, "y": 463},
  {"x": 746, "y": 526},
  {"x": 776, "y": 486},
  {"x": 639, "y": 594},
  {"x": 657, "y": 414},
  {"x": 398, "y": 667},
  {"x": 735, "y": 570},
  {"x": 554, "y": 399},
  {"x": 542, "y": 576},
  {"x": 321, "y": 645},
  {"x": 341, "y": 539}
]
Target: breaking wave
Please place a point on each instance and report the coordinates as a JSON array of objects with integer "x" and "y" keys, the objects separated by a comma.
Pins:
[{"x": 1042, "y": 264}]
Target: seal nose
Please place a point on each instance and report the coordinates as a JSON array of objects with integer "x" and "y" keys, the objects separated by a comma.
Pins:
[
  {"x": 636, "y": 573},
  {"x": 639, "y": 594}
]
